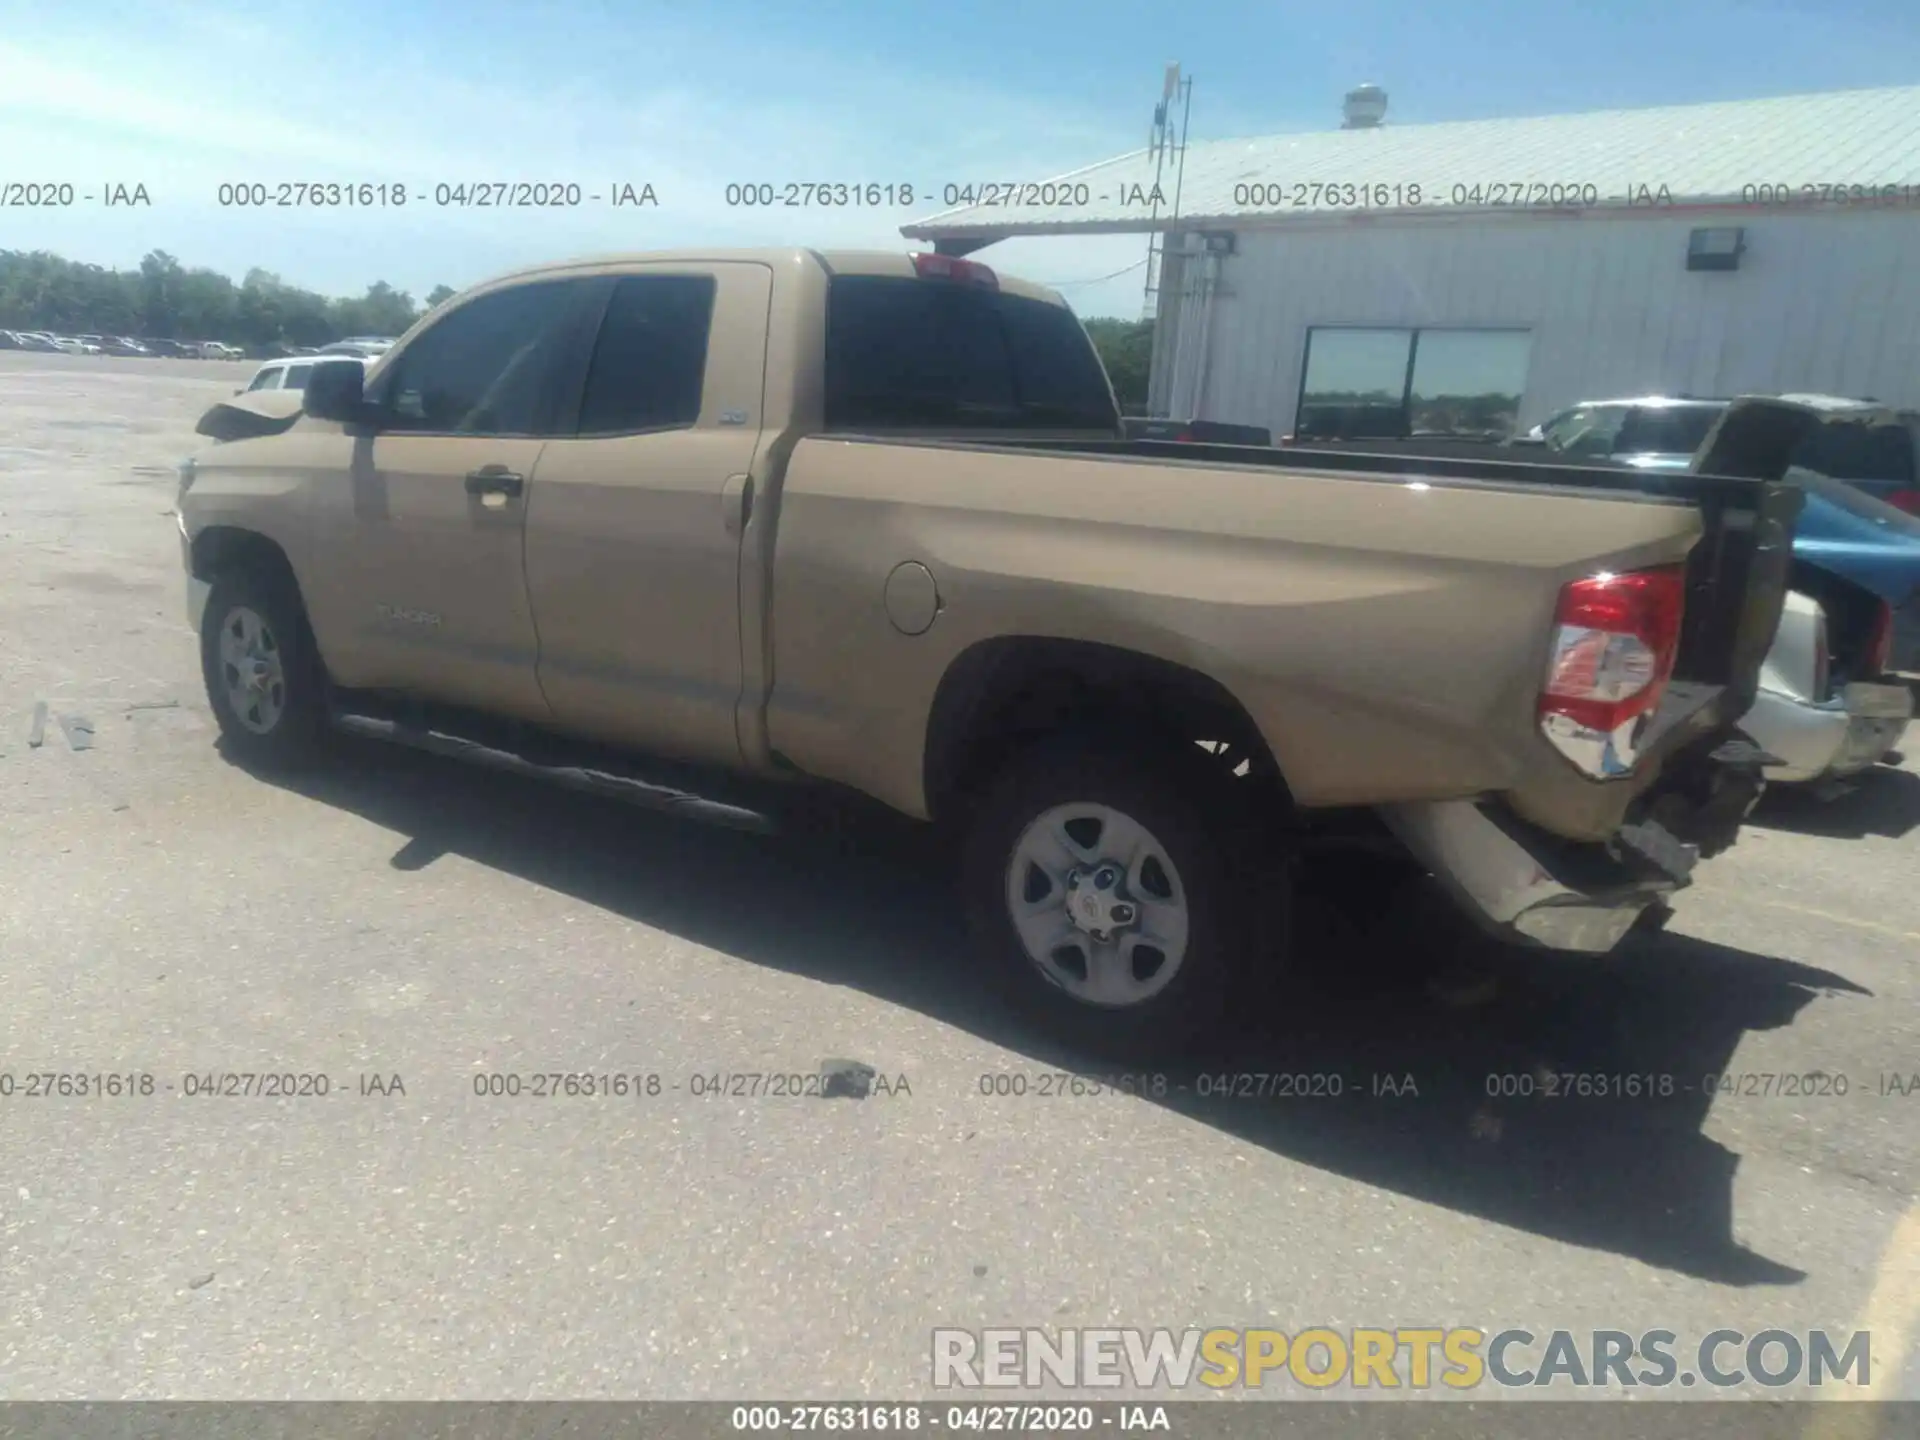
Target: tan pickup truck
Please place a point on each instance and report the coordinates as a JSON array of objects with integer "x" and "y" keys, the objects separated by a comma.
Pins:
[{"x": 710, "y": 530}]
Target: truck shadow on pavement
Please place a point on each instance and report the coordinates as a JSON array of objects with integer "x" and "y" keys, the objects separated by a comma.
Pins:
[
  {"x": 1886, "y": 804},
  {"x": 1442, "y": 1092}
]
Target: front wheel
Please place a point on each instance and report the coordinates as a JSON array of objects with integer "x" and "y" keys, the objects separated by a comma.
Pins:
[
  {"x": 262, "y": 675},
  {"x": 1105, "y": 889}
]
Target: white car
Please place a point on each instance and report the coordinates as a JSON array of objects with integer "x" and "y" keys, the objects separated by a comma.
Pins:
[
  {"x": 367, "y": 347},
  {"x": 292, "y": 373},
  {"x": 72, "y": 345},
  {"x": 1824, "y": 729}
]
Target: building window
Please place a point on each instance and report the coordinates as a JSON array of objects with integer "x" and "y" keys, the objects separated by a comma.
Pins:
[{"x": 1374, "y": 384}]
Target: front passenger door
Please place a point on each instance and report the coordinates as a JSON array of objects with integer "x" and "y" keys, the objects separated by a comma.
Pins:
[{"x": 421, "y": 541}]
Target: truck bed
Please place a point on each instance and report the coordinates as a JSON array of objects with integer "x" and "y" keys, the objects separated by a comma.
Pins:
[{"x": 1388, "y": 644}]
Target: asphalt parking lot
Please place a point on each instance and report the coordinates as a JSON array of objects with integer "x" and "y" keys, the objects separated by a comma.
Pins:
[{"x": 164, "y": 912}]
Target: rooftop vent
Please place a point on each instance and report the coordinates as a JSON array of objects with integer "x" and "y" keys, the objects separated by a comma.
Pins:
[{"x": 1364, "y": 108}]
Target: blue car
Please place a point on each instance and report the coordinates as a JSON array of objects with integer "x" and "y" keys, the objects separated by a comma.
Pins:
[{"x": 1831, "y": 703}]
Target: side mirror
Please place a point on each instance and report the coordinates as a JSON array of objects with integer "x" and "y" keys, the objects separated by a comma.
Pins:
[{"x": 336, "y": 392}]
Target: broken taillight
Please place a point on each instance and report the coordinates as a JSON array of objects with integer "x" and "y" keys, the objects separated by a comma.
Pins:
[{"x": 1614, "y": 642}]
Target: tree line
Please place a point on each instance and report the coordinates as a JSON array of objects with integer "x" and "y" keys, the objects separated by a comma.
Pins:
[
  {"x": 1126, "y": 349},
  {"x": 165, "y": 300}
]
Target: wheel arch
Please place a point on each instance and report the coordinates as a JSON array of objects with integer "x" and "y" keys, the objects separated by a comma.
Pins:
[
  {"x": 1007, "y": 692},
  {"x": 220, "y": 550}
]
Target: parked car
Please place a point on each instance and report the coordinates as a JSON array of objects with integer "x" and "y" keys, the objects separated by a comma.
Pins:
[
  {"x": 36, "y": 340},
  {"x": 216, "y": 350},
  {"x": 369, "y": 347},
  {"x": 11, "y": 341},
  {"x": 293, "y": 374},
  {"x": 1830, "y": 706},
  {"x": 76, "y": 345},
  {"x": 782, "y": 547},
  {"x": 121, "y": 345},
  {"x": 1880, "y": 454},
  {"x": 1650, "y": 432}
]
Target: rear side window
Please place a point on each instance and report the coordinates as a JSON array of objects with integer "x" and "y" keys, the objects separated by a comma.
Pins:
[
  {"x": 1667, "y": 429},
  {"x": 297, "y": 376},
  {"x": 650, "y": 360},
  {"x": 931, "y": 354}
]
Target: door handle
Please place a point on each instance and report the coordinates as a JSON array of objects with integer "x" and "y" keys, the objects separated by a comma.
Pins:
[{"x": 495, "y": 480}]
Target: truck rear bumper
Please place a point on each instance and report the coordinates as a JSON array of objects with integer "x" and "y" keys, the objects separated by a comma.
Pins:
[
  {"x": 1508, "y": 883},
  {"x": 1829, "y": 739}
]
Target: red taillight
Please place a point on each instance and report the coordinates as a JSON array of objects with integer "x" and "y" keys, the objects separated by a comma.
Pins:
[
  {"x": 1614, "y": 642},
  {"x": 1880, "y": 647},
  {"x": 1186, "y": 435},
  {"x": 1907, "y": 500},
  {"x": 929, "y": 266}
]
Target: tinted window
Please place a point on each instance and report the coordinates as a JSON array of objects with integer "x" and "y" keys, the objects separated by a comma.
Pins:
[
  {"x": 297, "y": 376},
  {"x": 1844, "y": 451},
  {"x": 1666, "y": 429},
  {"x": 650, "y": 357},
  {"x": 939, "y": 354},
  {"x": 487, "y": 368}
]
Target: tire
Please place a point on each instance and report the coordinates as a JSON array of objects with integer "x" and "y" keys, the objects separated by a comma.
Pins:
[
  {"x": 256, "y": 617},
  {"x": 1233, "y": 907}
]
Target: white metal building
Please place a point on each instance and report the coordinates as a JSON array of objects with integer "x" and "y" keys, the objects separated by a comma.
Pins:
[{"x": 1481, "y": 274}]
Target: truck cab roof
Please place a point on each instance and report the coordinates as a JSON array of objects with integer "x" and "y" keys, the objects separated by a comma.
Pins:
[{"x": 898, "y": 263}]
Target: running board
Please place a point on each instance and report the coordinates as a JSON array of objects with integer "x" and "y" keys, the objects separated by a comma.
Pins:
[{"x": 587, "y": 779}]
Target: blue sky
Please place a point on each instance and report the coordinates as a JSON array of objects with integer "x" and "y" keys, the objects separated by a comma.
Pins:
[{"x": 688, "y": 96}]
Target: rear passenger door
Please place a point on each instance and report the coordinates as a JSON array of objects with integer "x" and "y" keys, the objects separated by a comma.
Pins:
[{"x": 634, "y": 532}]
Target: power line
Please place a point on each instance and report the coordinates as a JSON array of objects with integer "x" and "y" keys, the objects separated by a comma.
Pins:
[{"x": 1097, "y": 279}]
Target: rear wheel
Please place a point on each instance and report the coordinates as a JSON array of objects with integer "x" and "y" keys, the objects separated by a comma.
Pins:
[
  {"x": 263, "y": 677},
  {"x": 1108, "y": 890}
]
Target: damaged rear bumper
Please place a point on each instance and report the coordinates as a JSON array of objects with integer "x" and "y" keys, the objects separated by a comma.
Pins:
[
  {"x": 1829, "y": 739},
  {"x": 1525, "y": 885}
]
